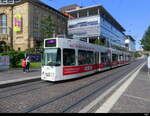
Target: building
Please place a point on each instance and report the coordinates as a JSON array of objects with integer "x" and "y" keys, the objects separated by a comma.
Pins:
[
  {"x": 95, "y": 25},
  {"x": 20, "y": 22},
  {"x": 130, "y": 43},
  {"x": 70, "y": 7}
]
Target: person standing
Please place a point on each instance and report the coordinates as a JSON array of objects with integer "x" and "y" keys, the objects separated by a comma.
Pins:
[
  {"x": 28, "y": 64},
  {"x": 24, "y": 65}
]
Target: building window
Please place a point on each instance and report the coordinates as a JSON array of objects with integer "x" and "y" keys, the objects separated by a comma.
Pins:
[{"x": 3, "y": 24}]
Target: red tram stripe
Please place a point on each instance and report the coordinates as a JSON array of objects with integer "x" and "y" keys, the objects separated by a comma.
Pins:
[
  {"x": 70, "y": 70},
  {"x": 80, "y": 69}
]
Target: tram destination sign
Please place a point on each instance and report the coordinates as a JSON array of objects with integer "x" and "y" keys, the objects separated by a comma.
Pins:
[{"x": 50, "y": 43}]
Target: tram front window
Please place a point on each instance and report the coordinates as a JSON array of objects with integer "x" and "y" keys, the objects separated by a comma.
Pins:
[{"x": 52, "y": 57}]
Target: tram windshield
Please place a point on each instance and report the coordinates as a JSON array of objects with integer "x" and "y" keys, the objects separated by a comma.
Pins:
[{"x": 52, "y": 57}]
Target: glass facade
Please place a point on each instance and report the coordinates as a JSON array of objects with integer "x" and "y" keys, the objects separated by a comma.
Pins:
[
  {"x": 3, "y": 24},
  {"x": 114, "y": 36},
  {"x": 96, "y": 26}
]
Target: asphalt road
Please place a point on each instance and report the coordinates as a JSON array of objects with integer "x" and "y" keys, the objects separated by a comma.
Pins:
[{"x": 68, "y": 96}]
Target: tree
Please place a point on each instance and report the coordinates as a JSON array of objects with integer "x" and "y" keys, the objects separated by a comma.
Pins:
[
  {"x": 145, "y": 42},
  {"x": 136, "y": 54},
  {"x": 46, "y": 30},
  {"x": 47, "y": 27}
]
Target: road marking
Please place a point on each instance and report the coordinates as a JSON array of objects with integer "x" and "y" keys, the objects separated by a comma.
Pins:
[
  {"x": 135, "y": 97},
  {"x": 107, "y": 106},
  {"x": 97, "y": 100}
]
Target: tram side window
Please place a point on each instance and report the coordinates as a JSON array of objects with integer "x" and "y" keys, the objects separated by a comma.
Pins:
[
  {"x": 69, "y": 57},
  {"x": 82, "y": 55},
  {"x": 90, "y": 58},
  {"x": 85, "y": 57},
  {"x": 114, "y": 57},
  {"x": 103, "y": 57}
]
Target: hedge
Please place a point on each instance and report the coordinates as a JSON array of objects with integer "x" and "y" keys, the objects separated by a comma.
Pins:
[{"x": 15, "y": 57}]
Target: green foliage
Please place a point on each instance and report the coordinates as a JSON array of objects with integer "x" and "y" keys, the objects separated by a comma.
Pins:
[
  {"x": 47, "y": 27},
  {"x": 15, "y": 57},
  {"x": 145, "y": 42},
  {"x": 136, "y": 54},
  {"x": 99, "y": 42},
  {"x": 4, "y": 47}
]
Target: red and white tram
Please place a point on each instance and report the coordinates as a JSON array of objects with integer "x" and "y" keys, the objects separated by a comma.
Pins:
[{"x": 65, "y": 59}]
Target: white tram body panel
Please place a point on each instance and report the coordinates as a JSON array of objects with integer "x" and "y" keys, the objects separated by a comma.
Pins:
[{"x": 58, "y": 50}]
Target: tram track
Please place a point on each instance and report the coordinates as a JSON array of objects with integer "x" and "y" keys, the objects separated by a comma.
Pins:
[
  {"x": 105, "y": 86},
  {"x": 23, "y": 87},
  {"x": 25, "y": 91},
  {"x": 33, "y": 89},
  {"x": 52, "y": 100}
]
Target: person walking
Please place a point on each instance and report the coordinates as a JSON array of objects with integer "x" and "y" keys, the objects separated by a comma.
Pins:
[
  {"x": 28, "y": 64},
  {"x": 24, "y": 65}
]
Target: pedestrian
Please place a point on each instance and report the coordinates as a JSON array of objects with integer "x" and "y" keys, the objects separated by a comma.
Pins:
[
  {"x": 28, "y": 64},
  {"x": 24, "y": 65}
]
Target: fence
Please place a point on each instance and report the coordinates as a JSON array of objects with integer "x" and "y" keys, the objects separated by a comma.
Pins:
[{"x": 4, "y": 63}]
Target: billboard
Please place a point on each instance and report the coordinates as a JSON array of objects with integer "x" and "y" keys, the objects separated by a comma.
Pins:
[
  {"x": 17, "y": 23},
  {"x": 84, "y": 27}
]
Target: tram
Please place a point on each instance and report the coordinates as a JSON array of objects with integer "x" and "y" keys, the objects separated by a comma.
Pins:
[{"x": 65, "y": 59}]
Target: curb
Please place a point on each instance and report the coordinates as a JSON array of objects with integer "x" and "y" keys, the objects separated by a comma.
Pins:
[{"x": 14, "y": 82}]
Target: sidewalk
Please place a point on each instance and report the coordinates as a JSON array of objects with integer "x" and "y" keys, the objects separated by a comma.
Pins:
[
  {"x": 136, "y": 98},
  {"x": 15, "y": 76}
]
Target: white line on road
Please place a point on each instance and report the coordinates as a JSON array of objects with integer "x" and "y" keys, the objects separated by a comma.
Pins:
[
  {"x": 97, "y": 100},
  {"x": 107, "y": 106}
]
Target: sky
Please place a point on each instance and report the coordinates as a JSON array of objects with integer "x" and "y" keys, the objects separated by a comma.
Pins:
[{"x": 132, "y": 15}]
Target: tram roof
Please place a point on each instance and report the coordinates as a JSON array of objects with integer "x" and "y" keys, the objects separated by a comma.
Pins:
[{"x": 77, "y": 42}]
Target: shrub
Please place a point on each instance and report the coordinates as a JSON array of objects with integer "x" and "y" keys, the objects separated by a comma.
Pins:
[{"x": 15, "y": 57}]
